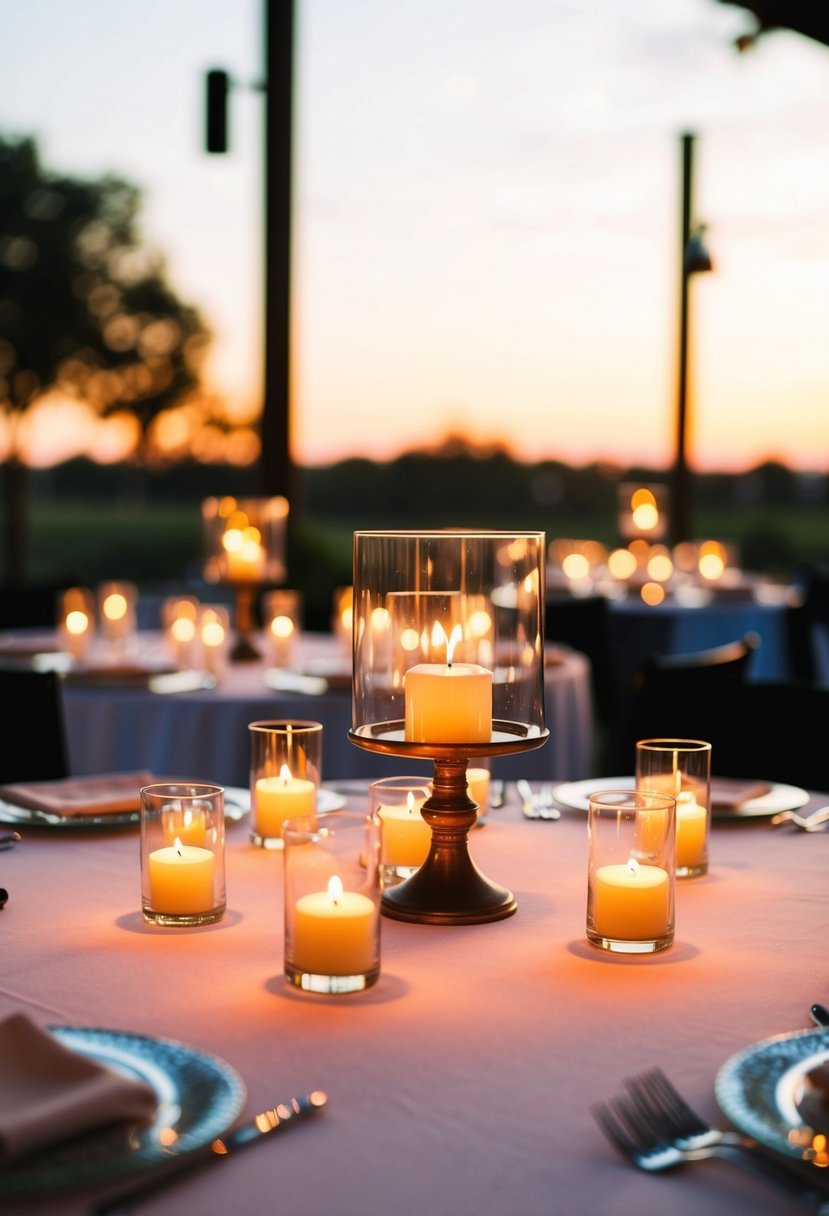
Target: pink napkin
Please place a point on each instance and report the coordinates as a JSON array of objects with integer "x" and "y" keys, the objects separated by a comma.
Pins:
[
  {"x": 49, "y": 1092},
  {"x": 814, "y": 1101},
  {"x": 109, "y": 792},
  {"x": 729, "y": 793}
]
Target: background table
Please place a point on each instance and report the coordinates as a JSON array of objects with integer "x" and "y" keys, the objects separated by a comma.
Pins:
[
  {"x": 461, "y": 1084},
  {"x": 204, "y": 735}
]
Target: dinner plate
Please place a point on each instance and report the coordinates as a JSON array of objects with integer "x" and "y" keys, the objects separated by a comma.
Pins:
[
  {"x": 575, "y": 794},
  {"x": 237, "y": 806},
  {"x": 760, "y": 1087},
  {"x": 199, "y": 1097}
]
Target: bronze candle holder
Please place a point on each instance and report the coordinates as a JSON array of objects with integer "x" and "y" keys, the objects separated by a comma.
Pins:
[
  {"x": 448, "y": 637},
  {"x": 448, "y": 889}
]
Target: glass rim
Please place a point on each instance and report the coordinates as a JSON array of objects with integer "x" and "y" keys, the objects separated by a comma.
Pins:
[
  {"x": 631, "y": 800},
  {"x": 452, "y": 533},
  {"x": 193, "y": 789},
  {"x": 674, "y": 745},
  {"x": 280, "y": 725}
]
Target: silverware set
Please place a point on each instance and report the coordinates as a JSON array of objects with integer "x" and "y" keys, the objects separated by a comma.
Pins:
[
  {"x": 807, "y": 823},
  {"x": 655, "y": 1129},
  {"x": 540, "y": 805}
]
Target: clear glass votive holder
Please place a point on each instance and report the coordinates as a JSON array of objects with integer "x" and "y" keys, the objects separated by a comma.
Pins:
[
  {"x": 285, "y": 774},
  {"x": 117, "y": 612},
  {"x": 214, "y": 637},
  {"x": 332, "y": 902},
  {"x": 180, "y": 622},
  {"x": 681, "y": 767},
  {"x": 631, "y": 880},
  {"x": 478, "y": 779},
  {"x": 182, "y": 854},
  {"x": 407, "y": 837},
  {"x": 76, "y": 621},
  {"x": 282, "y": 621}
]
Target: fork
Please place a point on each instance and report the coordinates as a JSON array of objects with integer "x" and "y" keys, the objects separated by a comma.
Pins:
[
  {"x": 808, "y": 823},
  {"x": 540, "y": 805},
  {"x": 654, "y": 1128}
]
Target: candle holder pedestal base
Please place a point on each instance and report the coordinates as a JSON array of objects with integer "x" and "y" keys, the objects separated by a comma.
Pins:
[
  {"x": 244, "y": 622},
  {"x": 448, "y": 889}
]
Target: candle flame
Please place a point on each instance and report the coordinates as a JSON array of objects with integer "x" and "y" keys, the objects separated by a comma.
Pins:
[
  {"x": 410, "y": 803},
  {"x": 77, "y": 622},
  {"x": 440, "y": 639},
  {"x": 115, "y": 606},
  {"x": 633, "y": 866},
  {"x": 285, "y": 774},
  {"x": 335, "y": 888},
  {"x": 282, "y": 626},
  {"x": 177, "y": 845}
]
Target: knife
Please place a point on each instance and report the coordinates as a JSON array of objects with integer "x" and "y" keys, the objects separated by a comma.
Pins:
[{"x": 264, "y": 1124}]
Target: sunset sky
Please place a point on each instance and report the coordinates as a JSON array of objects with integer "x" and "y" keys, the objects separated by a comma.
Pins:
[{"x": 487, "y": 212}]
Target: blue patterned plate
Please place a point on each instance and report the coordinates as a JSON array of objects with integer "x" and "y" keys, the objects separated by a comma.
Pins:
[
  {"x": 760, "y": 1088},
  {"x": 199, "y": 1097}
]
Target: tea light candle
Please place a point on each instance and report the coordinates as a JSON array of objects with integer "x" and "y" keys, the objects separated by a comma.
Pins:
[
  {"x": 245, "y": 555},
  {"x": 477, "y": 783},
  {"x": 334, "y": 932},
  {"x": 691, "y": 825},
  {"x": 279, "y": 798},
  {"x": 448, "y": 703},
  {"x": 631, "y": 901},
  {"x": 282, "y": 630},
  {"x": 181, "y": 879},
  {"x": 407, "y": 837}
]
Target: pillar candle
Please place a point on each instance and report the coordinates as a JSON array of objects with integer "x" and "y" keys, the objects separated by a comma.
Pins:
[
  {"x": 181, "y": 879},
  {"x": 334, "y": 932},
  {"x": 631, "y": 902},
  {"x": 407, "y": 837},
  {"x": 477, "y": 783},
  {"x": 279, "y": 798},
  {"x": 691, "y": 825}
]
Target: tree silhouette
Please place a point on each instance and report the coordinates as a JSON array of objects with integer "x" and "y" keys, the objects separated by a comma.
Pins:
[{"x": 85, "y": 309}]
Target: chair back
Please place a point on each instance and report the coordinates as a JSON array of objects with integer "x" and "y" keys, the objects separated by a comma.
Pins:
[
  {"x": 808, "y": 626},
  {"x": 672, "y": 697},
  {"x": 32, "y": 738},
  {"x": 773, "y": 731},
  {"x": 583, "y": 623}
]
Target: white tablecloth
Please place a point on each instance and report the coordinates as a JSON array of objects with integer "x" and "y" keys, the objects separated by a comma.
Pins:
[
  {"x": 461, "y": 1084},
  {"x": 204, "y": 735}
]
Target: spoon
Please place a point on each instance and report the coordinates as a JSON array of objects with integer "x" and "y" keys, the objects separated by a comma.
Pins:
[{"x": 820, "y": 1015}]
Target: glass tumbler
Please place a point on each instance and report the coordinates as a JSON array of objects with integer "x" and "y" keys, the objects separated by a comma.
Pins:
[
  {"x": 631, "y": 871},
  {"x": 407, "y": 837},
  {"x": 681, "y": 767},
  {"x": 332, "y": 902},
  {"x": 182, "y": 854},
  {"x": 285, "y": 773}
]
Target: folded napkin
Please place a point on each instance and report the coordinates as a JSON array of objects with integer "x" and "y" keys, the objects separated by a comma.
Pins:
[
  {"x": 49, "y": 1092},
  {"x": 729, "y": 794},
  {"x": 68, "y": 796},
  {"x": 814, "y": 1101}
]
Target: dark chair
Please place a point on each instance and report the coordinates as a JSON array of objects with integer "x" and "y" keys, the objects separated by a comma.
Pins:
[
  {"x": 31, "y": 605},
  {"x": 808, "y": 625},
  {"x": 583, "y": 623},
  {"x": 32, "y": 737},
  {"x": 672, "y": 697},
  {"x": 772, "y": 731}
]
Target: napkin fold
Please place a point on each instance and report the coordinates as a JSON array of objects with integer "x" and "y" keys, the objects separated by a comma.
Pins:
[
  {"x": 49, "y": 1092},
  {"x": 729, "y": 794},
  {"x": 814, "y": 1100},
  {"x": 70, "y": 796}
]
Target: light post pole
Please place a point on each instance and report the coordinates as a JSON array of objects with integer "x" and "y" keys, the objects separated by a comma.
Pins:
[{"x": 694, "y": 258}]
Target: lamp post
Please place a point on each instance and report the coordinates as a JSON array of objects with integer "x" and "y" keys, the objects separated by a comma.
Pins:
[
  {"x": 694, "y": 259},
  {"x": 277, "y": 474}
]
